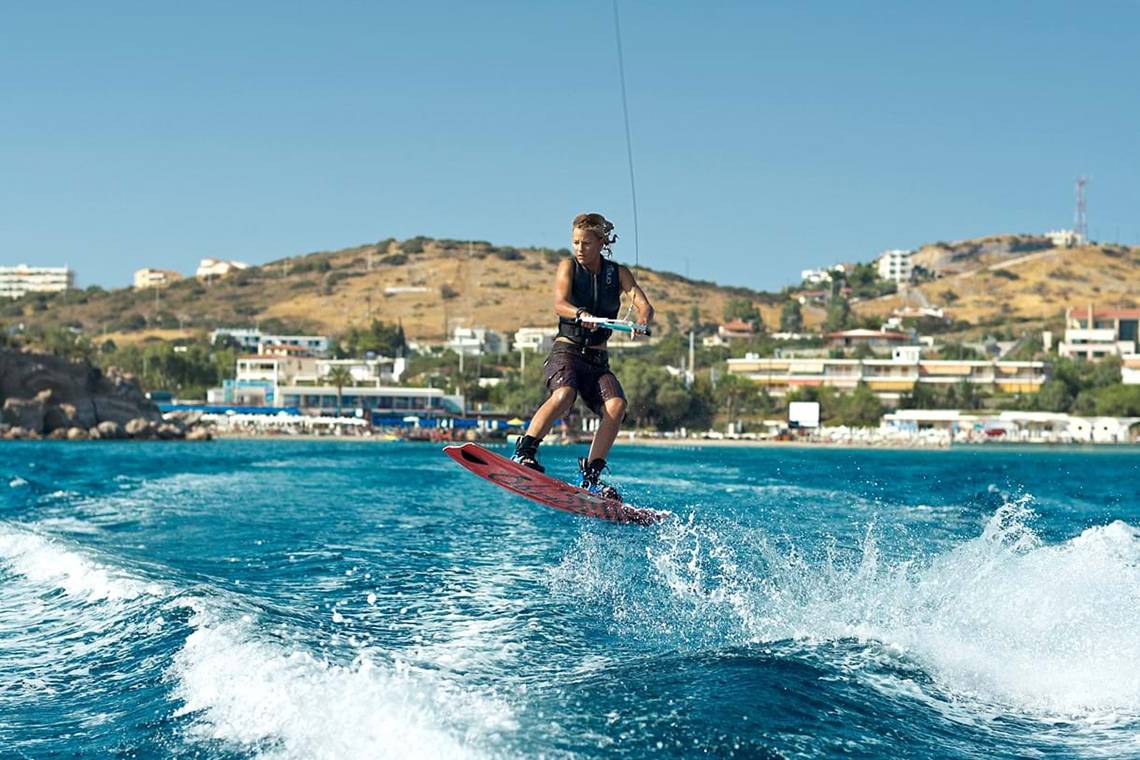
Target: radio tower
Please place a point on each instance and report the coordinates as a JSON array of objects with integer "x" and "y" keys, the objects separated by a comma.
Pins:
[{"x": 1081, "y": 222}]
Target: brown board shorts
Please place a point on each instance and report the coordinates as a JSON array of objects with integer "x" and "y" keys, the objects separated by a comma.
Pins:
[{"x": 586, "y": 370}]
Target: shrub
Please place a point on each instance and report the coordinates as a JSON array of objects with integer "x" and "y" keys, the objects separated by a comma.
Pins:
[
  {"x": 447, "y": 292},
  {"x": 508, "y": 254}
]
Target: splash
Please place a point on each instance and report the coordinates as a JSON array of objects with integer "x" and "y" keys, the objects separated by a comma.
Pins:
[{"x": 1002, "y": 619}]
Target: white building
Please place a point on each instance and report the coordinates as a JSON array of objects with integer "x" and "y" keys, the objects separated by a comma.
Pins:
[
  {"x": 17, "y": 280},
  {"x": 895, "y": 265},
  {"x": 538, "y": 339},
  {"x": 254, "y": 341},
  {"x": 1130, "y": 369},
  {"x": 821, "y": 276},
  {"x": 1011, "y": 426},
  {"x": 887, "y": 378},
  {"x": 211, "y": 268},
  {"x": 1065, "y": 238},
  {"x": 262, "y": 380},
  {"x": 472, "y": 341},
  {"x": 1094, "y": 334},
  {"x": 155, "y": 278}
]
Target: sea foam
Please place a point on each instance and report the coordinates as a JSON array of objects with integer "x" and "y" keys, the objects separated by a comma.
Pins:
[
  {"x": 240, "y": 686},
  {"x": 1002, "y": 619}
]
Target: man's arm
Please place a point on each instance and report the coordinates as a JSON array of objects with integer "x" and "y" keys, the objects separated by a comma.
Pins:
[
  {"x": 630, "y": 287},
  {"x": 563, "y": 280}
]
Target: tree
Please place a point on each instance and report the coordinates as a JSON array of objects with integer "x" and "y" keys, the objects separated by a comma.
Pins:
[
  {"x": 791, "y": 316},
  {"x": 838, "y": 313},
  {"x": 733, "y": 395},
  {"x": 860, "y": 408},
  {"x": 1118, "y": 401},
  {"x": 338, "y": 376},
  {"x": 379, "y": 338},
  {"x": 1054, "y": 396},
  {"x": 742, "y": 309}
]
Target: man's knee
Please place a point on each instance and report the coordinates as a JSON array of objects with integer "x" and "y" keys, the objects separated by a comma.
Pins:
[
  {"x": 563, "y": 397},
  {"x": 615, "y": 408}
]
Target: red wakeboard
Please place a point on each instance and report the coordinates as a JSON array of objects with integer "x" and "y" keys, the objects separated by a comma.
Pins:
[{"x": 544, "y": 489}]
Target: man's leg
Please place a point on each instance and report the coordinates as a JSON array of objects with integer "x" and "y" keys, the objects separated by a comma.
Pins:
[
  {"x": 559, "y": 403},
  {"x": 613, "y": 412}
]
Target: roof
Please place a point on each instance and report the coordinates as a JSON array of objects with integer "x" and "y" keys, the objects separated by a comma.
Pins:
[
  {"x": 737, "y": 325},
  {"x": 1083, "y": 311},
  {"x": 864, "y": 333}
]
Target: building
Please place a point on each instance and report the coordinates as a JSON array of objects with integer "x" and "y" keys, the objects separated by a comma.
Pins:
[
  {"x": 1013, "y": 426},
  {"x": 473, "y": 341},
  {"x": 895, "y": 265},
  {"x": 210, "y": 268},
  {"x": 18, "y": 280},
  {"x": 736, "y": 329},
  {"x": 254, "y": 341},
  {"x": 863, "y": 337},
  {"x": 1095, "y": 334},
  {"x": 539, "y": 339},
  {"x": 263, "y": 379},
  {"x": 1130, "y": 370},
  {"x": 821, "y": 276},
  {"x": 887, "y": 378},
  {"x": 809, "y": 297},
  {"x": 1065, "y": 238},
  {"x": 155, "y": 278}
]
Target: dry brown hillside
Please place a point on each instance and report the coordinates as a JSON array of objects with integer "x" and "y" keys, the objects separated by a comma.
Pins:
[
  {"x": 426, "y": 285},
  {"x": 1034, "y": 286}
]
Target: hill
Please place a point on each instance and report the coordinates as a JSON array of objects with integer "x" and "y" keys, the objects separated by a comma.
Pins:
[
  {"x": 426, "y": 285},
  {"x": 996, "y": 281},
  {"x": 1012, "y": 281}
]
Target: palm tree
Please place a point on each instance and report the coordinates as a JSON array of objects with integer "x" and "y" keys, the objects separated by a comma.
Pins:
[{"x": 339, "y": 376}]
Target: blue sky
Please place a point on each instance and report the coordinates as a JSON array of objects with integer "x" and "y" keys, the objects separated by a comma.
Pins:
[{"x": 767, "y": 137}]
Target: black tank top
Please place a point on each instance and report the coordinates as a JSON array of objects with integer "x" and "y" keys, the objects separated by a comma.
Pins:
[{"x": 599, "y": 294}]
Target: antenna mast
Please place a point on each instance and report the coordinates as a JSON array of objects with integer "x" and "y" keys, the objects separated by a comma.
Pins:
[{"x": 1081, "y": 222}]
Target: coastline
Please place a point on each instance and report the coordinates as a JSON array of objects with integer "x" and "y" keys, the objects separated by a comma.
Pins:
[{"x": 720, "y": 443}]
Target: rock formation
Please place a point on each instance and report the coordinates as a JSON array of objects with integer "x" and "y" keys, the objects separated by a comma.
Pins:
[{"x": 45, "y": 395}]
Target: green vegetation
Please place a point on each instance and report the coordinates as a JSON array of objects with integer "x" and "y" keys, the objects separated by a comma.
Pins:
[
  {"x": 791, "y": 316},
  {"x": 1085, "y": 388},
  {"x": 860, "y": 408},
  {"x": 865, "y": 282},
  {"x": 188, "y": 369},
  {"x": 742, "y": 309},
  {"x": 338, "y": 377},
  {"x": 379, "y": 338}
]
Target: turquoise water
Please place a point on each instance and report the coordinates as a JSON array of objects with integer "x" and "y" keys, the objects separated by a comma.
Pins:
[{"x": 340, "y": 600}]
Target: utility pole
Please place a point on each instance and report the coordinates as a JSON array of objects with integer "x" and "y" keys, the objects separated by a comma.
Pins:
[{"x": 690, "y": 376}]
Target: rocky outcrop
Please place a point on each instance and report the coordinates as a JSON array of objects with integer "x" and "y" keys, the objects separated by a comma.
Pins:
[{"x": 45, "y": 395}]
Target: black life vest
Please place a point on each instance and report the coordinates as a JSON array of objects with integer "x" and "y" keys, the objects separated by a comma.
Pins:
[{"x": 599, "y": 294}]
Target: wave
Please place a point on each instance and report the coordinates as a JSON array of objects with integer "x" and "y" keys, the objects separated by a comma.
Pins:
[
  {"x": 233, "y": 681},
  {"x": 1002, "y": 620}
]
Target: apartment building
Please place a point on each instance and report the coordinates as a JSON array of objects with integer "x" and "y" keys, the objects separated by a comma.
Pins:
[
  {"x": 1096, "y": 333},
  {"x": 895, "y": 265},
  {"x": 155, "y": 278},
  {"x": 887, "y": 378},
  {"x": 16, "y": 281}
]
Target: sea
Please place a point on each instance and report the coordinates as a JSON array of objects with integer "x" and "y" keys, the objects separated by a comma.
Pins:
[{"x": 345, "y": 599}]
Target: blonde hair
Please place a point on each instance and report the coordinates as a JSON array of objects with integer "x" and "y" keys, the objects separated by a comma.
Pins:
[{"x": 599, "y": 225}]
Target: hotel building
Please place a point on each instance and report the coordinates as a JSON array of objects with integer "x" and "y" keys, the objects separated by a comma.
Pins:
[
  {"x": 16, "y": 281},
  {"x": 887, "y": 378}
]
